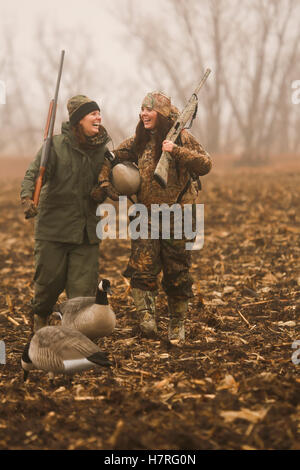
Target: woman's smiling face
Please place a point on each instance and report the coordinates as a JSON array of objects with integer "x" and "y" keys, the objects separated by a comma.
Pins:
[
  {"x": 90, "y": 123},
  {"x": 149, "y": 117}
]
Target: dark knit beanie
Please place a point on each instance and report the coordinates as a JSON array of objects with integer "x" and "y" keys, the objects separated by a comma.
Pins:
[{"x": 79, "y": 106}]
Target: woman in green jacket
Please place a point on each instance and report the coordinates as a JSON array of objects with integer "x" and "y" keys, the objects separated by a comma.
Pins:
[{"x": 66, "y": 245}]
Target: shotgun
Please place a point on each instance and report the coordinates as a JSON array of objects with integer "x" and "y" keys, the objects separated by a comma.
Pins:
[
  {"x": 188, "y": 113},
  {"x": 48, "y": 136}
]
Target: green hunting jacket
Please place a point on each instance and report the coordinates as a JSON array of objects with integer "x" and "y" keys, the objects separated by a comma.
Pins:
[{"x": 66, "y": 212}]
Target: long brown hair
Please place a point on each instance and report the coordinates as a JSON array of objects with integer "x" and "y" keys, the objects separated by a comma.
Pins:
[
  {"x": 79, "y": 134},
  {"x": 142, "y": 135}
]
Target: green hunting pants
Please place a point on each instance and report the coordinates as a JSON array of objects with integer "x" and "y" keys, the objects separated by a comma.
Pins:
[{"x": 63, "y": 266}]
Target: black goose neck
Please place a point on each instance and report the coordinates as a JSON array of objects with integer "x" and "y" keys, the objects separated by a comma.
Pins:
[
  {"x": 101, "y": 297},
  {"x": 25, "y": 355}
]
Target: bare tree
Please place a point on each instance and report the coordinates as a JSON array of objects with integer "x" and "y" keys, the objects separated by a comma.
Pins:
[
  {"x": 4, "y": 109},
  {"x": 252, "y": 48},
  {"x": 175, "y": 58},
  {"x": 83, "y": 74},
  {"x": 29, "y": 95},
  {"x": 13, "y": 136},
  {"x": 258, "y": 102}
]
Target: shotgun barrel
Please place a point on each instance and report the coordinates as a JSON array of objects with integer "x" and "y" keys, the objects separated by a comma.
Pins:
[
  {"x": 188, "y": 113},
  {"x": 48, "y": 135}
]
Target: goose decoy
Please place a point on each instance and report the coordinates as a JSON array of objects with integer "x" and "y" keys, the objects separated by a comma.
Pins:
[
  {"x": 61, "y": 350},
  {"x": 91, "y": 316}
]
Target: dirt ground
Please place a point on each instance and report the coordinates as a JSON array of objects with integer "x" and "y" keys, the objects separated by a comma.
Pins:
[{"x": 235, "y": 384}]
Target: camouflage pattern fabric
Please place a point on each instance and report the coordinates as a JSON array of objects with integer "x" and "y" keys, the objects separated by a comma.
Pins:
[
  {"x": 158, "y": 102},
  {"x": 188, "y": 158},
  {"x": 29, "y": 207},
  {"x": 75, "y": 102},
  {"x": 149, "y": 257}
]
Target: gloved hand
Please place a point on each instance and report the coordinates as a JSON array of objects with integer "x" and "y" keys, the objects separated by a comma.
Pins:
[
  {"x": 98, "y": 194},
  {"x": 103, "y": 190},
  {"x": 112, "y": 192},
  {"x": 29, "y": 208}
]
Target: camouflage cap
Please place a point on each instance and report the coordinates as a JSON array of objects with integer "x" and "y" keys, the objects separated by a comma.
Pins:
[
  {"x": 174, "y": 113},
  {"x": 79, "y": 106},
  {"x": 159, "y": 102}
]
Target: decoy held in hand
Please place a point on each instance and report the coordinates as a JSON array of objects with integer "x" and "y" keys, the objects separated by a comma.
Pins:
[
  {"x": 57, "y": 349},
  {"x": 91, "y": 316}
]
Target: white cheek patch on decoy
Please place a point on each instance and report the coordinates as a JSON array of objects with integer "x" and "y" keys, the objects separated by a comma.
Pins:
[
  {"x": 77, "y": 364},
  {"x": 27, "y": 365}
]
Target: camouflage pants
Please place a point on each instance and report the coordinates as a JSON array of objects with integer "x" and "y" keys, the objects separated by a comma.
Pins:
[
  {"x": 149, "y": 257},
  {"x": 60, "y": 266}
]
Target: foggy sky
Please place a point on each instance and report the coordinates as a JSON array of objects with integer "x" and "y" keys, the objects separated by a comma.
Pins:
[
  {"x": 113, "y": 57},
  {"x": 119, "y": 70},
  {"x": 93, "y": 16}
]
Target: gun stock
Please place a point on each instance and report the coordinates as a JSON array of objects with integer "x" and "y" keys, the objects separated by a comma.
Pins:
[
  {"x": 38, "y": 185},
  {"x": 188, "y": 113},
  {"x": 162, "y": 169}
]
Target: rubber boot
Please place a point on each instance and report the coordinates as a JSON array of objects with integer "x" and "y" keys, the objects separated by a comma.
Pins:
[
  {"x": 39, "y": 322},
  {"x": 177, "y": 313},
  {"x": 145, "y": 305}
]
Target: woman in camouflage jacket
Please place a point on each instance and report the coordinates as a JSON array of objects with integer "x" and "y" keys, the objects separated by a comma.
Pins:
[{"x": 148, "y": 256}]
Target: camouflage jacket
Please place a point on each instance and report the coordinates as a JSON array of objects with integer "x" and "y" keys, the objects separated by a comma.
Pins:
[
  {"x": 188, "y": 158},
  {"x": 66, "y": 212}
]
